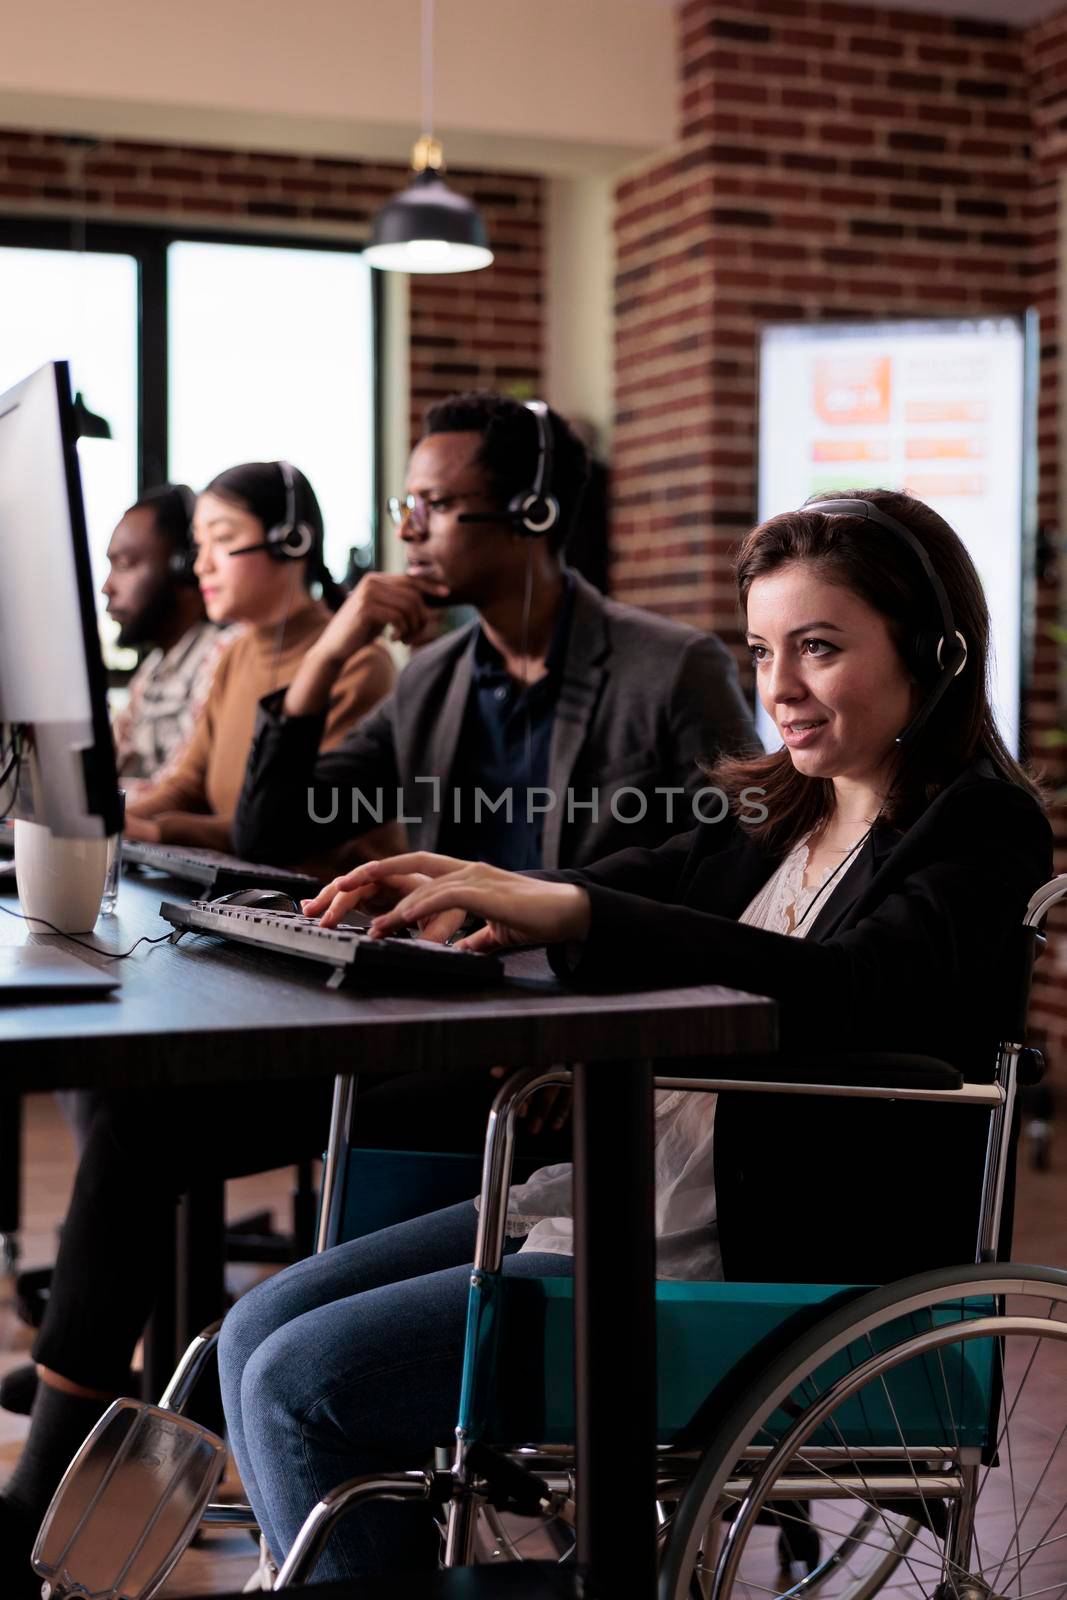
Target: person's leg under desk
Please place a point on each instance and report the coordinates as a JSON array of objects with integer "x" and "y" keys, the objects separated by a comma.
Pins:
[
  {"x": 142, "y": 1150},
  {"x": 348, "y": 1363}
]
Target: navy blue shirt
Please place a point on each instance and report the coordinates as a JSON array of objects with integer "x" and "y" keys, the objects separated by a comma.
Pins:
[{"x": 503, "y": 752}]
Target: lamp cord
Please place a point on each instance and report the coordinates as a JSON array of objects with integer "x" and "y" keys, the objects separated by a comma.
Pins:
[{"x": 427, "y": 67}]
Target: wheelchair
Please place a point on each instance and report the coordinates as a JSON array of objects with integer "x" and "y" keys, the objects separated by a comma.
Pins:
[{"x": 837, "y": 1441}]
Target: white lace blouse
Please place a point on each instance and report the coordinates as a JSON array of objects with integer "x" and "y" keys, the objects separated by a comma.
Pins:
[{"x": 687, "y": 1244}]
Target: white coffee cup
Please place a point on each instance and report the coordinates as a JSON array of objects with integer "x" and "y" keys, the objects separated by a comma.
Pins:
[{"x": 59, "y": 881}]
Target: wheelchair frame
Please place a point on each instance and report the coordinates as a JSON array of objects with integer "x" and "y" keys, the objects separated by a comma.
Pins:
[{"x": 464, "y": 1489}]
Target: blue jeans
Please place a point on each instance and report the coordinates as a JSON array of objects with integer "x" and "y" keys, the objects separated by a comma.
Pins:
[{"x": 348, "y": 1363}]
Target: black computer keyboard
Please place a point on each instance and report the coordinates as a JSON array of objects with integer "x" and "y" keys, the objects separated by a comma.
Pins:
[
  {"x": 215, "y": 871},
  {"x": 414, "y": 963}
]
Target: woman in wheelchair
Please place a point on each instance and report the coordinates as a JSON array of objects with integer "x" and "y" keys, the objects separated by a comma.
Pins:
[{"x": 873, "y": 896}]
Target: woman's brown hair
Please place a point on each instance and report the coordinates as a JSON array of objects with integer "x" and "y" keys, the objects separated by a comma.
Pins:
[{"x": 883, "y": 570}]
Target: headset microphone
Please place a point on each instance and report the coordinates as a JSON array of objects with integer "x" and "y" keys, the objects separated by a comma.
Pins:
[{"x": 943, "y": 650}]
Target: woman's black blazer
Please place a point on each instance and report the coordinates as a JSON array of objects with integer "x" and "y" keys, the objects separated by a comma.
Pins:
[{"x": 908, "y": 952}]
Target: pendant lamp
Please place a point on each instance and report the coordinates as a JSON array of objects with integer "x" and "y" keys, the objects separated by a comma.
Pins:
[{"x": 428, "y": 227}]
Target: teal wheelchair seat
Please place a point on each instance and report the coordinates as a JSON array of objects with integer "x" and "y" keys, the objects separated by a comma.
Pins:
[
  {"x": 519, "y": 1385},
  {"x": 518, "y": 1381}
]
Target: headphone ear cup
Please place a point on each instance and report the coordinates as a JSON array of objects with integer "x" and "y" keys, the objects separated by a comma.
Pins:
[
  {"x": 534, "y": 514},
  {"x": 928, "y": 663},
  {"x": 290, "y": 542},
  {"x": 181, "y": 563}
]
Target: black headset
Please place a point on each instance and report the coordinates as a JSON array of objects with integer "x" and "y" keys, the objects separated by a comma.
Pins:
[
  {"x": 939, "y": 653},
  {"x": 532, "y": 512},
  {"x": 288, "y": 540},
  {"x": 181, "y": 561}
]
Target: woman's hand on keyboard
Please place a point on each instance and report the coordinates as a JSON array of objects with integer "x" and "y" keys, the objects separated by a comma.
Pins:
[
  {"x": 143, "y": 828},
  {"x": 517, "y": 910},
  {"x": 377, "y": 894}
]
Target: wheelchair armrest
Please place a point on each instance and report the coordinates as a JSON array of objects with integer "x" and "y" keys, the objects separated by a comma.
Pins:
[{"x": 875, "y": 1069}]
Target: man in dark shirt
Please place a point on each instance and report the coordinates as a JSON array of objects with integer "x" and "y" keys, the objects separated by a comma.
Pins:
[
  {"x": 503, "y": 749},
  {"x": 557, "y": 727}
]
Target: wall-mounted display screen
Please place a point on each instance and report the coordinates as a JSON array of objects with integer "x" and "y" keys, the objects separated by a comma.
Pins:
[{"x": 939, "y": 408}]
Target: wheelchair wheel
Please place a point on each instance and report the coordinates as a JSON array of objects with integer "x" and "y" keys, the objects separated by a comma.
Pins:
[
  {"x": 915, "y": 1424},
  {"x": 504, "y": 1537}
]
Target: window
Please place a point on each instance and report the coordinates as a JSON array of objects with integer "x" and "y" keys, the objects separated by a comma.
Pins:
[
  {"x": 270, "y": 354},
  {"x": 202, "y": 351},
  {"x": 80, "y": 307}
]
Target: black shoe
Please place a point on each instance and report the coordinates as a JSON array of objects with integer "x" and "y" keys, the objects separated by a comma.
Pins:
[
  {"x": 18, "y": 1388},
  {"x": 18, "y": 1581}
]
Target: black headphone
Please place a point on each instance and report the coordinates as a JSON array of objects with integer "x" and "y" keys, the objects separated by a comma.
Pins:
[
  {"x": 288, "y": 540},
  {"x": 532, "y": 512},
  {"x": 939, "y": 653},
  {"x": 181, "y": 561}
]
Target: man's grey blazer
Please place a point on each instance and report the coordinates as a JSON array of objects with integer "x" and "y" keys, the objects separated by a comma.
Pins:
[{"x": 641, "y": 701}]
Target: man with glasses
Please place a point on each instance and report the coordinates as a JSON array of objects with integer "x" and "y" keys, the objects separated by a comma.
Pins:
[{"x": 554, "y": 728}]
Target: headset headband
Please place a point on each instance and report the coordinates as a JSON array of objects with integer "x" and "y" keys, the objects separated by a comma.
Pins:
[
  {"x": 872, "y": 513},
  {"x": 534, "y": 511},
  {"x": 543, "y": 473},
  {"x": 294, "y": 539}
]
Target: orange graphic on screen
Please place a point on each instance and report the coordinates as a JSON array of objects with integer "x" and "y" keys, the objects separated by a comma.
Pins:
[
  {"x": 959, "y": 449},
  {"x": 852, "y": 388},
  {"x": 850, "y": 450}
]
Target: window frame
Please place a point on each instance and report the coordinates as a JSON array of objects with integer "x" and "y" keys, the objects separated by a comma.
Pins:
[{"x": 148, "y": 243}]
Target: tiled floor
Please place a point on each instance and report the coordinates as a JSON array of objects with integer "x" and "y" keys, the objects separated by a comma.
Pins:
[{"x": 224, "y": 1561}]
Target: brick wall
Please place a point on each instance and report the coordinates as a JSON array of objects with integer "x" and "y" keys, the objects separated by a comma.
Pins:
[
  {"x": 482, "y": 330},
  {"x": 1046, "y": 54},
  {"x": 833, "y": 161}
]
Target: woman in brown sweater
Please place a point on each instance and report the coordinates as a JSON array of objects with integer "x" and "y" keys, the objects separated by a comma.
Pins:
[{"x": 258, "y": 533}]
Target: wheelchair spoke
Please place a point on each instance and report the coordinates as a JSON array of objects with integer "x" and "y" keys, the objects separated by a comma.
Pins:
[
  {"x": 815, "y": 1393},
  {"x": 1011, "y": 1479},
  {"x": 911, "y": 1464},
  {"x": 1051, "y": 1588},
  {"x": 1016, "y": 1537},
  {"x": 870, "y": 1497},
  {"x": 835, "y": 1533},
  {"x": 1018, "y": 1396},
  {"x": 1044, "y": 1543},
  {"x": 904, "y": 1452}
]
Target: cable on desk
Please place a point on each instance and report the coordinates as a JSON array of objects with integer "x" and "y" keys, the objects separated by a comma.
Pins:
[{"x": 108, "y": 955}]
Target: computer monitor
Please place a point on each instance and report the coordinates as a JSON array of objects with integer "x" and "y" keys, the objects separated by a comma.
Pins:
[{"x": 53, "y": 705}]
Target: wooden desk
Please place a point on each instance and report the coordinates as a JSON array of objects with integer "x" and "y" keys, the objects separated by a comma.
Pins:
[{"x": 206, "y": 1011}]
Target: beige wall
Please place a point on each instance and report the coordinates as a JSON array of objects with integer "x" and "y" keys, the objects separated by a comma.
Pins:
[
  {"x": 563, "y": 85},
  {"x": 580, "y": 263}
]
